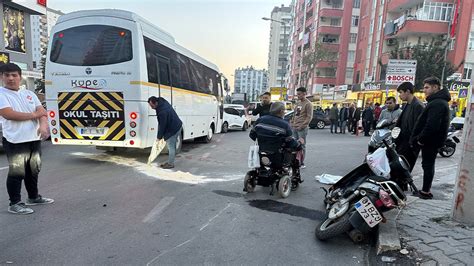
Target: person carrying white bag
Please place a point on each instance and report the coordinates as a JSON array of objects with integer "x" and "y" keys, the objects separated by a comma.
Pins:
[
  {"x": 169, "y": 127},
  {"x": 272, "y": 133}
]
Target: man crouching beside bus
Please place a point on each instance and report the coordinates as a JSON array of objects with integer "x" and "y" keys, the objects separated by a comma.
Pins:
[
  {"x": 25, "y": 123},
  {"x": 169, "y": 126}
]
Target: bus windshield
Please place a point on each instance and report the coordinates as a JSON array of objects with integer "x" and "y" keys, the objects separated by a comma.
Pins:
[{"x": 92, "y": 45}]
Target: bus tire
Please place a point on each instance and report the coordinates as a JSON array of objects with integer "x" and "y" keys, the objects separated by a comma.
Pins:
[{"x": 208, "y": 137}]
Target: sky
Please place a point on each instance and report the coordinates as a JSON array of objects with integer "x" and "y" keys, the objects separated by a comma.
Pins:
[{"x": 229, "y": 33}]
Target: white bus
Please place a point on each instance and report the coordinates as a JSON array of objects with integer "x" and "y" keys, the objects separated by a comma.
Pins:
[{"x": 103, "y": 65}]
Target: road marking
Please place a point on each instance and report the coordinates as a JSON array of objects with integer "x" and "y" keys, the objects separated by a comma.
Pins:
[
  {"x": 3, "y": 168},
  {"x": 215, "y": 216},
  {"x": 169, "y": 250},
  {"x": 159, "y": 208}
]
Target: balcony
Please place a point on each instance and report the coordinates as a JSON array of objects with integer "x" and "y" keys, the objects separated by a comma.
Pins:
[
  {"x": 328, "y": 38},
  {"x": 334, "y": 13},
  {"x": 398, "y": 6},
  {"x": 417, "y": 27},
  {"x": 332, "y": 31},
  {"x": 332, "y": 4}
]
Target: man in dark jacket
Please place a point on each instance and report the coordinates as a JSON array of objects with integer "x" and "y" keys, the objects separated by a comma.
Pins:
[
  {"x": 431, "y": 130},
  {"x": 351, "y": 117},
  {"x": 355, "y": 120},
  {"x": 272, "y": 131},
  {"x": 333, "y": 117},
  {"x": 169, "y": 126},
  {"x": 367, "y": 118},
  {"x": 343, "y": 118},
  {"x": 406, "y": 123},
  {"x": 264, "y": 107}
]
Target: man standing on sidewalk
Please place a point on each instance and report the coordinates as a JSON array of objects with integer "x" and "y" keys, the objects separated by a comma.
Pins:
[
  {"x": 25, "y": 123},
  {"x": 406, "y": 123},
  {"x": 367, "y": 119},
  {"x": 343, "y": 118},
  {"x": 303, "y": 114},
  {"x": 169, "y": 127},
  {"x": 431, "y": 130},
  {"x": 333, "y": 117}
]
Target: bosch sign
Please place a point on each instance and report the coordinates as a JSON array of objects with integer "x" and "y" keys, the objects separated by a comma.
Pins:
[{"x": 398, "y": 79}]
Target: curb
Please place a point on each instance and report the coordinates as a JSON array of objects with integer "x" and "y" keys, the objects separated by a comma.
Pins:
[{"x": 388, "y": 238}]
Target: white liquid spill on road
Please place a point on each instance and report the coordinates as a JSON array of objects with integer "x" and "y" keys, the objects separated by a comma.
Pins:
[
  {"x": 154, "y": 170},
  {"x": 3, "y": 168}
]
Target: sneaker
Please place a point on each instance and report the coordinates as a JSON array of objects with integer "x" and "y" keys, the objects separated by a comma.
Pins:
[
  {"x": 20, "y": 208},
  {"x": 302, "y": 166},
  {"x": 39, "y": 201},
  {"x": 167, "y": 166}
]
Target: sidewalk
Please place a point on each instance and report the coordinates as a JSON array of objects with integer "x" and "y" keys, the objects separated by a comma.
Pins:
[{"x": 425, "y": 225}]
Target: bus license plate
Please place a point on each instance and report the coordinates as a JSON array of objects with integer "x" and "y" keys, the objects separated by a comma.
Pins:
[
  {"x": 92, "y": 131},
  {"x": 368, "y": 211}
]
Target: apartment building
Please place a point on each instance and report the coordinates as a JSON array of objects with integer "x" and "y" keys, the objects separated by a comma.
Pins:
[{"x": 251, "y": 81}]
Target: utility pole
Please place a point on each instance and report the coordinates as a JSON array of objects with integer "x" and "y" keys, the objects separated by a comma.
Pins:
[{"x": 463, "y": 203}]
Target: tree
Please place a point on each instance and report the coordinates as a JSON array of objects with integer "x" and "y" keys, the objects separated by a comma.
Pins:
[
  {"x": 314, "y": 56},
  {"x": 39, "y": 83},
  {"x": 430, "y": 60}
]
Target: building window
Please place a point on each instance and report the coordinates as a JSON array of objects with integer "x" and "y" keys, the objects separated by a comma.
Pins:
[
  {"x": 353, "y": 38},
  {"x": 349, "y": 72},
  {"x": 355, "y": 21},
  {"x": 380, "y": 23},
  {"x": 351, "y": 56},
  {"x": 356, "y": 4},
  {"x": 470, "y": 44},
  {"x": 452, "y": 44},
  {"x": 435, "y": 11},
  {"x": 467, "y": 73}
]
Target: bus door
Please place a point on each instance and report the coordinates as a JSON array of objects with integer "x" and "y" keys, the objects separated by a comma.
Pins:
[{"x": 164, "y": 78}]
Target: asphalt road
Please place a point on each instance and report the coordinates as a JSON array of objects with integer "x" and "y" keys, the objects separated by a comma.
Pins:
[{"x": 113, "y": 209}]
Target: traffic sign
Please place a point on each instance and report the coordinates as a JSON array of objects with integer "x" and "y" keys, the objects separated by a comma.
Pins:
[
  {"x": 399, "y": 79},
  {"x": 399, "y": 71}
]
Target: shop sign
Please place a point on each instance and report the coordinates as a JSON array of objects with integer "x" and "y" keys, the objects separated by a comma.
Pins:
[{"x": 457, "y": 86}]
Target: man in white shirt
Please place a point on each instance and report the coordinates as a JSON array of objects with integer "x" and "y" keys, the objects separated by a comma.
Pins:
[{"x": 25, "y": 123}]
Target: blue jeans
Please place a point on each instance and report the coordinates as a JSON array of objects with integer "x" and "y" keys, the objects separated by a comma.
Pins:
[
  {"x": 342, "y": 126},
  {"x": 297, "y": 134},
  {"x": 171, "y": 143}
]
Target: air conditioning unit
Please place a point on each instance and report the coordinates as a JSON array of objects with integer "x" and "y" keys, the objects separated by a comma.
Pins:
[{"x": 392, "y": 42}]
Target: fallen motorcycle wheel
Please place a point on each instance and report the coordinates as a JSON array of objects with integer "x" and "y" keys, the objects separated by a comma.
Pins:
[
  {"x": 447, "y": 151},
  {"x": 249, "y": 184},
  {"x": 284, "y": 186},
  {"x": 331, "y": 228}
]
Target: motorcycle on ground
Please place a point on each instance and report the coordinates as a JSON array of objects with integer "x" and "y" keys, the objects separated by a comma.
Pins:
[
  {"x": 356, "y": 203},
  {"x": 449, "y": 147}
]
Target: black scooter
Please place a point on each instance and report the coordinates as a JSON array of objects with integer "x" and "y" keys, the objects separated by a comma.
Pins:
[{"x": 356, "y": 203}]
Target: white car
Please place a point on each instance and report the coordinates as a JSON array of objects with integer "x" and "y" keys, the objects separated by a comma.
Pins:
[{"x": 235, "y": 117}]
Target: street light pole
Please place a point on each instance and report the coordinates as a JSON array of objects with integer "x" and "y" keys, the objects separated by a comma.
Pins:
[{"x": 283, "y": 63}]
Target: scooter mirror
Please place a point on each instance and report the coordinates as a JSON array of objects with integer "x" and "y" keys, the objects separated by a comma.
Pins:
[{"x": 396, "y": 132}]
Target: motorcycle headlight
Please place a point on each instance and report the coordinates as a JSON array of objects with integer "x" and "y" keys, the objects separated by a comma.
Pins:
[{"x": 266, "y": 161}]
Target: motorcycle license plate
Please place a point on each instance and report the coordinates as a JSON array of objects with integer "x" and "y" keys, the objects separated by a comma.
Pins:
[{"x": 368, "y": 211}]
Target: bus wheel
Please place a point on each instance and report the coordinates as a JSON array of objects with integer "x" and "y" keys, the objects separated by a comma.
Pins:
[{"x": 208, "y": 137}]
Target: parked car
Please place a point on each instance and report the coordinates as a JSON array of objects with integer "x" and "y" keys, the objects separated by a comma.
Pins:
[
  {"x": 235, "y": 117},
  {"x": 319, "y": 121}
]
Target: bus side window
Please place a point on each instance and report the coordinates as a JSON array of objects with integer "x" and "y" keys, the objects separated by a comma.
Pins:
[
  {"x": 152, "y": 67},
  {"x": 164, "y": 72}
]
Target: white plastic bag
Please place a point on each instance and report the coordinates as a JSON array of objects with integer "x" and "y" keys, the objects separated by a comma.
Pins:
[
  {"x": 328, "y": 179},
  {"x": 156, "y": 149},
  {"x": 254, "y": 157},
  {"x": 378, "y": 162}
]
